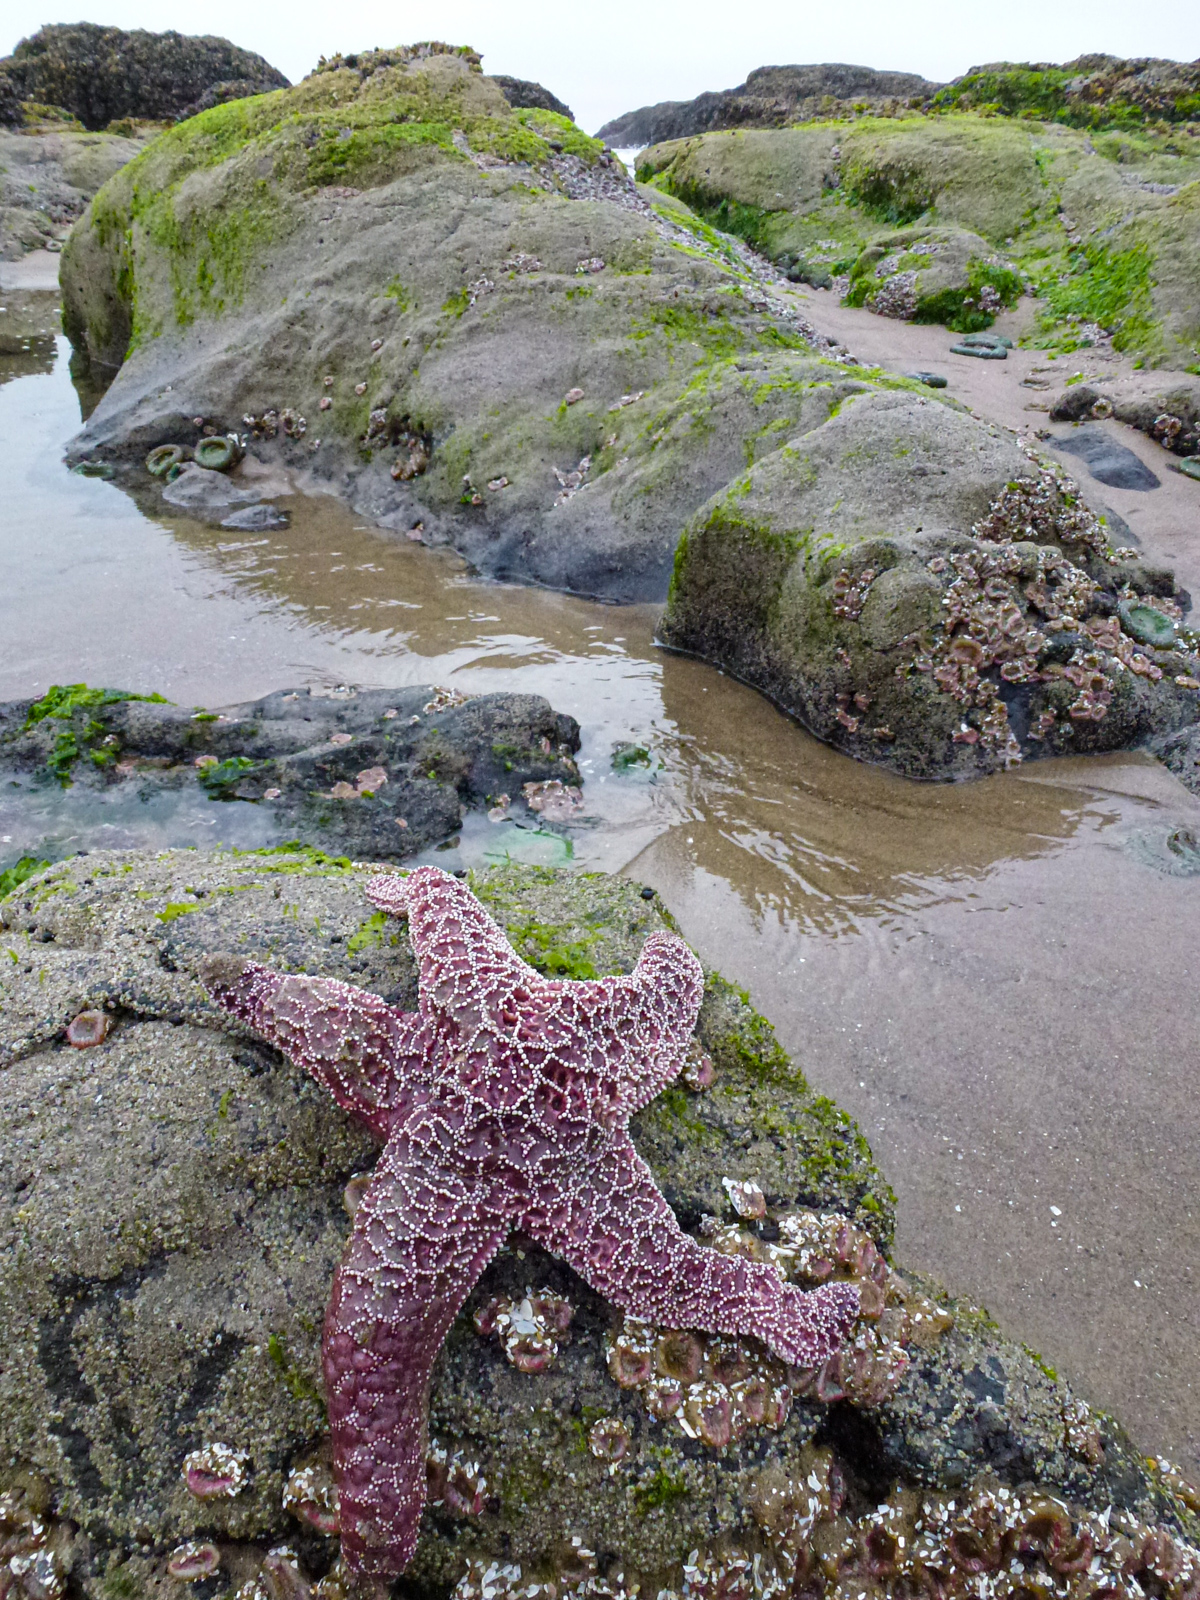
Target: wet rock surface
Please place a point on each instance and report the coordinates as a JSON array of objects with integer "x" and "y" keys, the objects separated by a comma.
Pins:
[
  {"x": 99, "y": 74},
  {"x": 985, "y": 618},
  {"x": 1107, "y": 460},
  {"x": 177, "y": 1208},
  {"x": 380, "y": 774}
]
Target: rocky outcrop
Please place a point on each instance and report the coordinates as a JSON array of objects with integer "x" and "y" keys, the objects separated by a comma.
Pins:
[
  {"x": 771, "y": 97},
  {"x": 1093, "y": 91},
  {"x": 381, "y": 774},
  {"x": 926, "y": 595},
  {"x": 179, "y": 1199},
  {"x": 487, "y": 337},
  {"x": 100, "y": 74},
  {"x": 47, "y": 179},
  {"x": 523, "y": 94},
  {"x": 1102, "y": 227}
]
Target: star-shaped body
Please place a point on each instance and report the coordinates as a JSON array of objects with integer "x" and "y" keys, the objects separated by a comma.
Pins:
[{"x": 504, "y": 1102}]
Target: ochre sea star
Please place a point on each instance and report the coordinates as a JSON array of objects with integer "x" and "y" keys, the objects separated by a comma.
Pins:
[{"x": 505, "y": 1102}]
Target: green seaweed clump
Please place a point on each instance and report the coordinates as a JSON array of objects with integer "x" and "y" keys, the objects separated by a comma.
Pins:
[{"x": 13, "y": 877}]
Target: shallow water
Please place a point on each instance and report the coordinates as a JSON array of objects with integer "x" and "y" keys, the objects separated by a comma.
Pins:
[{"x": 996, "y": 979}]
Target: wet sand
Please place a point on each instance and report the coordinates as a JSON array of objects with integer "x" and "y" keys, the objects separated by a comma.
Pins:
[{"x": 997, "y": 979}]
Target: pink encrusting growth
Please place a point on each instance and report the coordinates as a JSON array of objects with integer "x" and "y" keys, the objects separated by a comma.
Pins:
[{"x": 505, "y": 1102}]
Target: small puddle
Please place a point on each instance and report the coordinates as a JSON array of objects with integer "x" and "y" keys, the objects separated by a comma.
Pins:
[{"x": 997, "y": 979}]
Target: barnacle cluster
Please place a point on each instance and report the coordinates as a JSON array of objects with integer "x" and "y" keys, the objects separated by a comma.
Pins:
[
  {"x": 717, "y": 1388},
  {"x": 215, "y": 1472},
  {"x": 35, "y": 1550},
  {"x": 570, "y": 483},
  {"x": 1020, "y": 611},
  {"x": 850, "y": 593},
  {"x": 554, "y": 800},
  {"x": 530, "y": 1329},
  {"x": 814, "y": 1539},
  {"x": 454, "y": 1482}
]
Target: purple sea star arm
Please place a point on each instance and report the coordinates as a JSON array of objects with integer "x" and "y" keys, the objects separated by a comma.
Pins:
[
  {"x": 637, "y": 1029},
  {"x": 466, "y": 966},
  {"x": 422, "y": 1235},
  {"x": 366, "y": 1053},
  {"x": 616, "y": 1229}
]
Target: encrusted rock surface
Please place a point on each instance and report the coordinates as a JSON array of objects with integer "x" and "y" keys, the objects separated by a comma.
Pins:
[
  {"x": 925, "y": 594},
  {"x": 176, "y": 1209},
  {"x": 381, "y": 773},
  {"x": 100, "y": 74}
]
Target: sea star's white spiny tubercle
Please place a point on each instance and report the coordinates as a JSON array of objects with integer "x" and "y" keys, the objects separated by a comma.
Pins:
[{"x": 504, "y": 1101}]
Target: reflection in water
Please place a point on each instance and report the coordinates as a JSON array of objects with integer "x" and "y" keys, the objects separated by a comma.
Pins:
[
  {"x": 983, "y": 974},
  {"x": 28, "y": 333}
]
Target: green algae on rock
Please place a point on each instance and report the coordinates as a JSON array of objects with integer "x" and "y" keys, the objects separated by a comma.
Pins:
[
  {"x": 178, "y": 1215},
  {"x": 926, "y": 595},
  {"x": 281, "y": 268},
  {"x": 1102, "y": 227},
  {"x": 381, "y": 773}
]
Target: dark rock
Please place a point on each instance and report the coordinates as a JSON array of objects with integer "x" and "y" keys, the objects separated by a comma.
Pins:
[
  {"x": 260, "y": 518},
  {"x": 100, "y": 74},
  {"x": 1074, "y": 404},
  {"x": 1107, "y": 459},
  {"x": 11, "y": 114},
  {"x": 520, "y": 92},
  {"x": 932, "y": 380},
  {"x": 771, "y": 97},
  {"x": 219, "y": 94},
  {"x": 333, "y": 772}
]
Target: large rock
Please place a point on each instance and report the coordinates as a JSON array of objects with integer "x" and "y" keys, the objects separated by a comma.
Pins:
[
  {"x": 924, "y": 594},
  {"x": 100, "y": 74},
  {"x": 380, "y": 774},
  {"x": 48, "y": 178},
  {"x": 515, "y": 350},
  {"x": 1102, "y": 226},
  {"x": 177, "y": 1211},
  {"x": 1093, "y": 91},
  {"x": 770, "y": 98}
]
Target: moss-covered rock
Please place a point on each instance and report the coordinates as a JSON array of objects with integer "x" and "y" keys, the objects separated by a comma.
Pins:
[
  {"x": 1103, "y": 227},
  {"x": 921, "y": 592},
  {"x": 513, "y": 346},
  {"x": 177, "y": 1211},
  {"x": 381, "y": 774}
]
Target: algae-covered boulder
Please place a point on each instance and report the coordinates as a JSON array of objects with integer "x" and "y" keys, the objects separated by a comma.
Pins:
[
  {"x": 923, "y": 593},
  {"x": 179, "y": 1201},
  {"x": 101, "y": 74},
  {"x": 381, "y": 774},
  {"x": 459, "y": 314},
  {"x": 946, "y": 275},
  {"x": 1101, "y": 226}
]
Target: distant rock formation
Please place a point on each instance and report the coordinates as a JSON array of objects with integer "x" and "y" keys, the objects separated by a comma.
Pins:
[
  {"x": 771, "y": 97},
  {"x": 1091, "y": 91},
  {"x": 100, "y": 74},
  {"x": 521, "y": 94}
]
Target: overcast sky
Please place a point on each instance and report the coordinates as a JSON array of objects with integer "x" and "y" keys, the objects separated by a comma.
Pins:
[{"x": 616, "y": 55}]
